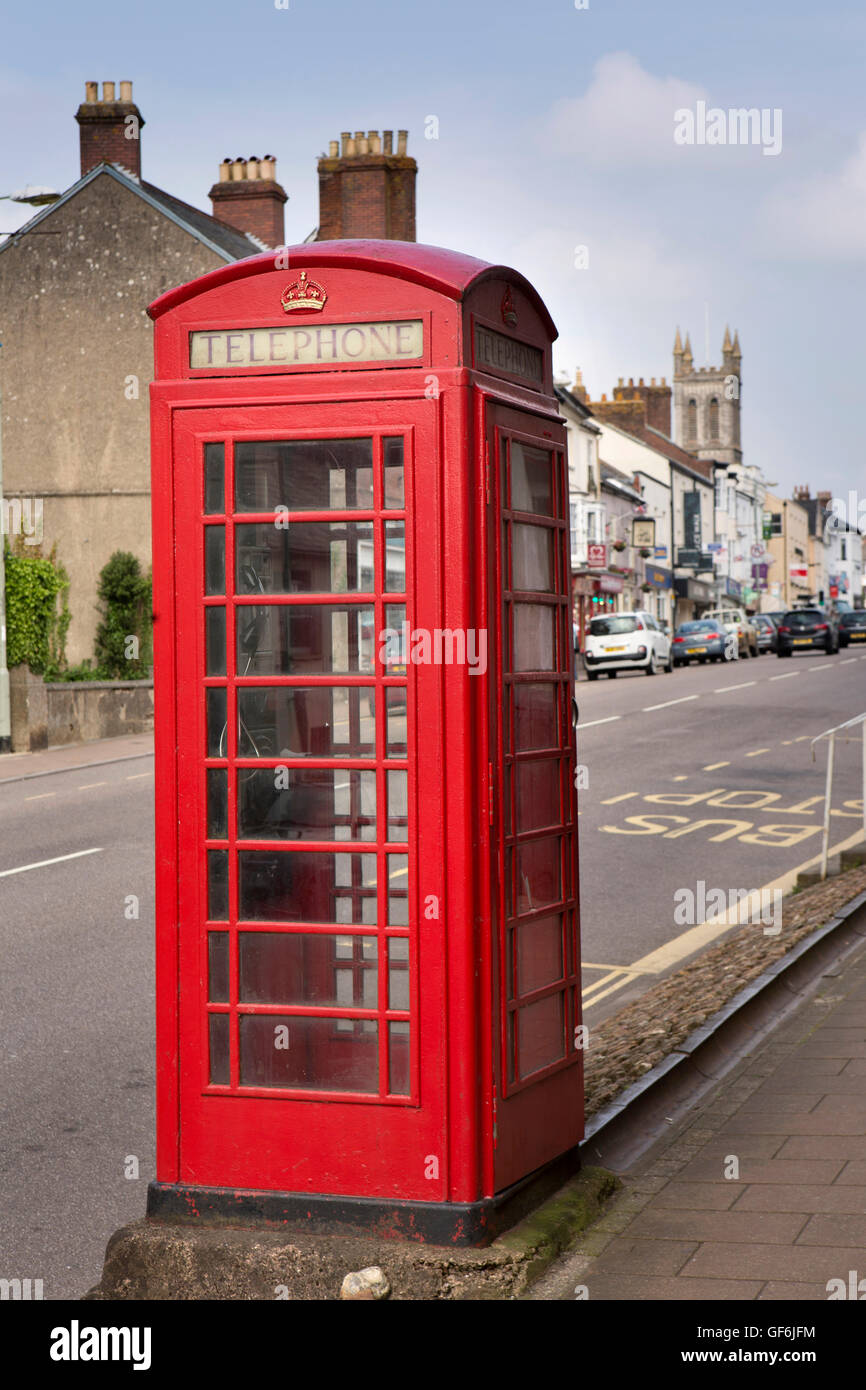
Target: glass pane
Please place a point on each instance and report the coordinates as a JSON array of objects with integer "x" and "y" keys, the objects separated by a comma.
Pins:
[
  {"x": 398, "y": 890},
  {"x": 538, "y": 874},
  {"x": 398, "y": 813},
  {"x": 215, "y": 699},
  {"x": 290, "y": 639},
  {"x": 307, "y": 886},
  {"x": 217, "y": 803},
  {"x": 304, "y": 475},
  {"x": 537, "y": 801},
  {"x": 310, "y": 557},
  {"x": 309, "y": 1053},
  {"x": 539, "y": 953},
  {"x": 392, "y": 645},
  {"x": 395, "y": 557},
  {"x": 214, "y": 559},
  {"x": 531, "y": 484},
  {"x": 320, "y": 721},
  {"x": 535, "y": 716},
  {"x": 218, "y": 884},
  {"x": 218, "y": 1027},
  {"x": 218, "y": 967},
  {"x": 394, "y": 495},
  {"x": 534, "y": 637},
  {"x": 215, "y": 641},
  {"x": 541, "y": 1034},
  {"x": 214, "y": 479},
  {"x": 291, "y": 803},
  {"x": 308, "y": 968},
  {"x": 532, "y": 558},
  {"x": 395, "y": 705},
  {"x": 398, "y": 1058},
  {"x": 398, "y": 973}
]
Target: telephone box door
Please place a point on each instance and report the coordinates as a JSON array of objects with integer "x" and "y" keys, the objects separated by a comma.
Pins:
[
  {"x": 537, "y": 1059},
  {"x": 313, "y": 1057}
]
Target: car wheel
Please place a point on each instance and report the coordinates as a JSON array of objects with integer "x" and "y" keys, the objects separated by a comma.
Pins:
[
  {"x": 670, "y": 665},
  {"x": 755, "y": 651},
  {"x": 592, "y": 675},
  {"x": 652, "y": 664},
  {"x": 612, "y": 675}
]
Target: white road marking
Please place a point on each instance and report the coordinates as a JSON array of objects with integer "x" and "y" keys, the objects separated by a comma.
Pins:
[
  {"x": 135, "y": 776},
  {"x": 87, "y": 786},
  {"x": 667, "y": 703},
  {"x": 41, "y": 796},
  {"x": 683, "y": 777},
  {"x": 41, "y": 863},
  {"x": 787, "y": 676},
  {"x": 721, "y": 689},
  {"x": 711, "y": 767},
  {"x": 757, "y": 752},
  {"x": 610, "y": 719},
  {"x": 849, "y": 660},
  {"x": 825, "y": 667}
]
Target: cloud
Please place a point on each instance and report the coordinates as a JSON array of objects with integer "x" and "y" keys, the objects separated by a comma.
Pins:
[
  {"x": 820, "y": 217},
  {"x": 625, "y": 116}
]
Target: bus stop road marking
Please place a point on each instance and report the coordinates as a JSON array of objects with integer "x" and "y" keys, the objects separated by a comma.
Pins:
[
  {"x": 624, "y": 796},
  {"x": 41, "y": 863}
]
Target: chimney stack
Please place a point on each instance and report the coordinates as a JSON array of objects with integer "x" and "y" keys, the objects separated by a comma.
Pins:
[
  {"x": 110, "y": 130},
  {"x": 248, "y": 198},
  {"x": 365, "y": 190}
]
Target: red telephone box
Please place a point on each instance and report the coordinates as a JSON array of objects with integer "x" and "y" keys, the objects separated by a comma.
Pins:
[{"x": 367, "y": 898}]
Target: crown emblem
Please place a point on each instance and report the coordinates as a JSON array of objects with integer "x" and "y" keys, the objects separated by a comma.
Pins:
[
  {"x": 509, "y": 313},
  {"x": 303, "y": 294}
]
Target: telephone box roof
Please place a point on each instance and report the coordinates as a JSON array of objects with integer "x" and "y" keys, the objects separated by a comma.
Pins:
[{"x": 449, "y": 272}]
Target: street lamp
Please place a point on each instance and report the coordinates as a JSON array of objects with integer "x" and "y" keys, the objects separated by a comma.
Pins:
[{"x": 37, "y": 197}]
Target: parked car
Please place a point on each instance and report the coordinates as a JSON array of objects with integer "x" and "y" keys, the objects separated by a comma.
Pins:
[
  {"x": 626, "y": 642},
  {"x": 768, "y": 633},
  {"x": 735, "y": 620},
  {"x": 804, "y": 629},
  {"x": 852, "y": 627},
  {"x": 700, "y": 640}
]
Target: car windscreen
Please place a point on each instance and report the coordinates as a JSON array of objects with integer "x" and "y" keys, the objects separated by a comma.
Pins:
[
  {"x": 696, "y": 627},
  {"x": 612, "y": 626},
  {"x": 804, "y": 617},
  {"x": 854, "y": 619},
  {"x": 761, "y": 620}
]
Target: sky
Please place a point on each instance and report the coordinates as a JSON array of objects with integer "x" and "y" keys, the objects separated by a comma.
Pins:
[{"x": 545, "y": 139}]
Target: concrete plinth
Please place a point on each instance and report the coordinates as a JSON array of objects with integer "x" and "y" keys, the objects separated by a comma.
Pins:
[{"x": 158, "y": 1260}]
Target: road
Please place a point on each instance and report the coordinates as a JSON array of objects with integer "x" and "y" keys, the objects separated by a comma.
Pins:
[
  {"x": 702, "y": 775},
  {"x": 689, "y": 773}
]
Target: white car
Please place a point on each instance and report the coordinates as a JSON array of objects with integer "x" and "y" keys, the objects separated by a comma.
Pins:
[{"x": 626, "y": 642}]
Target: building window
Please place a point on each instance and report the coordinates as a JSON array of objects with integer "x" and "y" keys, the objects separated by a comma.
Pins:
[
  {"x": 844, "y": 555},
  {"x": 714, "y": 418},
  {"x": 692, "y": 421}
]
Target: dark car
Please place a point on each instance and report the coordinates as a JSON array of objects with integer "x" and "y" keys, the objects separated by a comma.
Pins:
[
  {"x": 768, "y": 633},
  {"x": 804, "y": 629},
  {"x": 698, "y": 641},
  {"x": 852, "y": 627}
]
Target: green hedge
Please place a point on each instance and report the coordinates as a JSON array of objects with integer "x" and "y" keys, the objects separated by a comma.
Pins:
[{"x": 37, "y": 615}]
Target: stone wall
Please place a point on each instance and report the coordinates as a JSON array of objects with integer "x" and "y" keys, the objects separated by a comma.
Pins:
[{"x": 46, "y": 715}]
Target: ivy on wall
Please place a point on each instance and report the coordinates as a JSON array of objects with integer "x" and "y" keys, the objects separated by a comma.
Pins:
[{"x": 37, "y": 613}]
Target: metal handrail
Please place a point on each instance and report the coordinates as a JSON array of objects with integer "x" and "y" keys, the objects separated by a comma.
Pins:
[{"x": 828, "y": 786}]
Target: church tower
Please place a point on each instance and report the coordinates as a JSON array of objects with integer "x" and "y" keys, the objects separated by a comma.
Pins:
[{"x": 707, "y": 402}]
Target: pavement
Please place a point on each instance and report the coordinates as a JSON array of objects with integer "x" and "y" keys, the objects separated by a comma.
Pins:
[
  {"x": 760, "y": 1192},
  {"x": 15, "y": 767}
]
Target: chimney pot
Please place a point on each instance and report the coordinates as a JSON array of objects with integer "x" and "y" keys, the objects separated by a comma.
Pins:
[
  {"x": 388, "y": 140},
  {"x": 345, "y": 136},
  {"x": 333, "y": 149},
  {"x": 252, "y": 167},
  {"x": 239, "y": 169},
  {"x": 225, "y": 170},
  {"x": 375, "y": 142},
  {"x": 91, "y": 91},
  {"x": 402, "y": 137},
  {"x": 126, "y": 91},
  {"x": 619, "y": 381},
  {"x": 359, "y": 136},
  {"x": 108, "y": 91},
  {"x": 268, "y": 167},
  {"x": 363, "y": 145}
]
